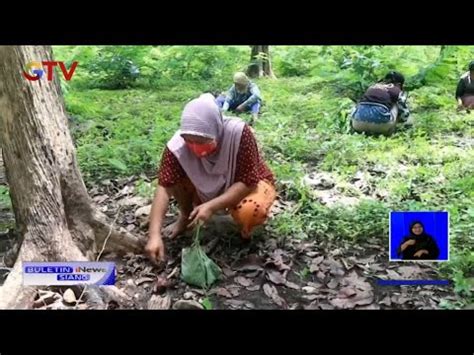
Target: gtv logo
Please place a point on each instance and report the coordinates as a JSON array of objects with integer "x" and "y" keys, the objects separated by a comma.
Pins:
[{"x": 36, "y": 70}]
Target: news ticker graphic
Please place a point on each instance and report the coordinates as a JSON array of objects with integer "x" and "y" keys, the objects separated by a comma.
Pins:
[
  {"x": 68, "y": 273},
  {"x": 413, "y": 282}
]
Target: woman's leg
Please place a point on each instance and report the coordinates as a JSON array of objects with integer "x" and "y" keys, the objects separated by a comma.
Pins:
[
  {"x": 255, "y": 110},
  {"x": 220, "y": 100},
  {"x": 186, "y": 197},
  {"x": 468, "y": 101},
  {"x": 373, "y": 128},
  {"x": 254, "y": 209}
]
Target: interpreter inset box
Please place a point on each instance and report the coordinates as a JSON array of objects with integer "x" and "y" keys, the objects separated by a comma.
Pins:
[{"x": 419, "y": 236}]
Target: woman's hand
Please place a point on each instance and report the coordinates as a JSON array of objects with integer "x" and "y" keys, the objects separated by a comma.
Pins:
[
  {"x": 419, "y": 253},
  {"x": 155, "y": 248},
  {"x": 240, "y": 108},
  {"x": 201, "y": 213},
  {"x": 407, "y": 244}
]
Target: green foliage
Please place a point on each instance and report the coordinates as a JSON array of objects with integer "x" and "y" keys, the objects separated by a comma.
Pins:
[
  {"x": 214, "y": 64},
  {"x": 146, "y": 189},
  {"x": 116, "y": 67}
]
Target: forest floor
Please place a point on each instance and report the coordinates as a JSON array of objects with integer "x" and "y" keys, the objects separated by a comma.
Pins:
[{"x": 269, "y": 272}]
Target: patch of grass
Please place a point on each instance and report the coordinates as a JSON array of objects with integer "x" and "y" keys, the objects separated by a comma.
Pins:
[{"x": 146, "y": 189}]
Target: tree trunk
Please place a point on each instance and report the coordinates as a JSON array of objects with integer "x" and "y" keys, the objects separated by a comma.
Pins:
[
  {"x": 53, "y": 212},
  {"x": 260, "y": 62}
]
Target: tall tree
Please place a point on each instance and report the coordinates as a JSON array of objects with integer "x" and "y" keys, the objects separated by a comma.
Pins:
[
  {"x": 54, "y": 214},
  {"x": 260, "y": 62}
]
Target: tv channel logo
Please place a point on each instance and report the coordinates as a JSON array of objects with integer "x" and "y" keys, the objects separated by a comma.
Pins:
[
  {"x": 68, "y": 273},
  {"x": 35, "y": 70}
]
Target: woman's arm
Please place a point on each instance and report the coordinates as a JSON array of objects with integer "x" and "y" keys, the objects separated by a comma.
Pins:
[
  {"x": 228, "y": 199},
  {"x": 155, "y": 247},
  {"x": 231, "y": 197}
]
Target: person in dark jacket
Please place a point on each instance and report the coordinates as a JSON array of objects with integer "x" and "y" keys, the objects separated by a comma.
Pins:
[
  {"x": 465, "y": 89},
  {"x": 418, "y": 245},
  {"x": 243, "y": 96},
  {"x": 382, "y": 106}
]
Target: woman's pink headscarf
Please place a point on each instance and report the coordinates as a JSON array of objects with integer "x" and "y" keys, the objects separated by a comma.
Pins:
[{"x": 213, "y": 174}]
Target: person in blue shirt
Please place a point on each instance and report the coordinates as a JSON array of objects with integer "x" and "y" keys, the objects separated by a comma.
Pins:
[{"x": 243, "y": 96}]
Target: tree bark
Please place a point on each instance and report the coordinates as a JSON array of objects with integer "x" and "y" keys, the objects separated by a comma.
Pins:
[
  {"x": 53, "y": 211},
  {"x": 260, "y": 62}
]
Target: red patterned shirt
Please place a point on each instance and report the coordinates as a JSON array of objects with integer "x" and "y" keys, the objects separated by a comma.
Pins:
[{"x": 250, "y": 167}]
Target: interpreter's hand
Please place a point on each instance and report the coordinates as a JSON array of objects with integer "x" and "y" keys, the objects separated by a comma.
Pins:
[
  {"x": 408, "y": 243},
  {"x": 240, "y": 108},
  {"x": 155, "y": 249},
  {"x": 419, "y": 253},
  {"x": 201, "y": 213}
]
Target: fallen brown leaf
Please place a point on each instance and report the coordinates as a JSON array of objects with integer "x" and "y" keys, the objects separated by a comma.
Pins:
[
  {"x": 143, "y": 280},
  {"x": 253, "y": 274},
  {"x": 143, "y": 211},
  {"x": 275, "y": 277},
  {"x": 369, "y": 307},
  {"x": 243, "y": 281},
  {"x": 386, "y": 301},
  {"x": 360, "y": 299},
  {"x": 235, "y": 303},
  {"x": 393, "y": 274},
  {"x": 335, "y": 252},
  {"x": 221, "y": 291},
  {"x": 277, "y": 260},
  {"x": 158, "y": 302},
  {"x": 228, "y": 272},
  {"x": 292, "y": 285},
  {"x": 135, "y": 200},
  {"x": 409, "y": 271},
  {"x": 325, "y": 306},
  {"x": 253, "y": 288},
  {"x": 333, "y": 283},
  {"x": 309, "y": 289},
  {"x": 368, "y": 260},
  {"x": 347, "y": 292},
  {"x": 251, "y": 263},
  {"x": 310, "y": 297},
  {"x": 234, "y": 290},
  {"x": 187, "y": 304},
  {"x": 376, "y": 267},
  {"x": 272, "y": 293},
  {"x": 355, "y": 280},
  {"x": 315, "y": 263}
]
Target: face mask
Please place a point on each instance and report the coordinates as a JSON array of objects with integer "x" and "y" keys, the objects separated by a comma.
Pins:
[{"x": 202, "y": 150}]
